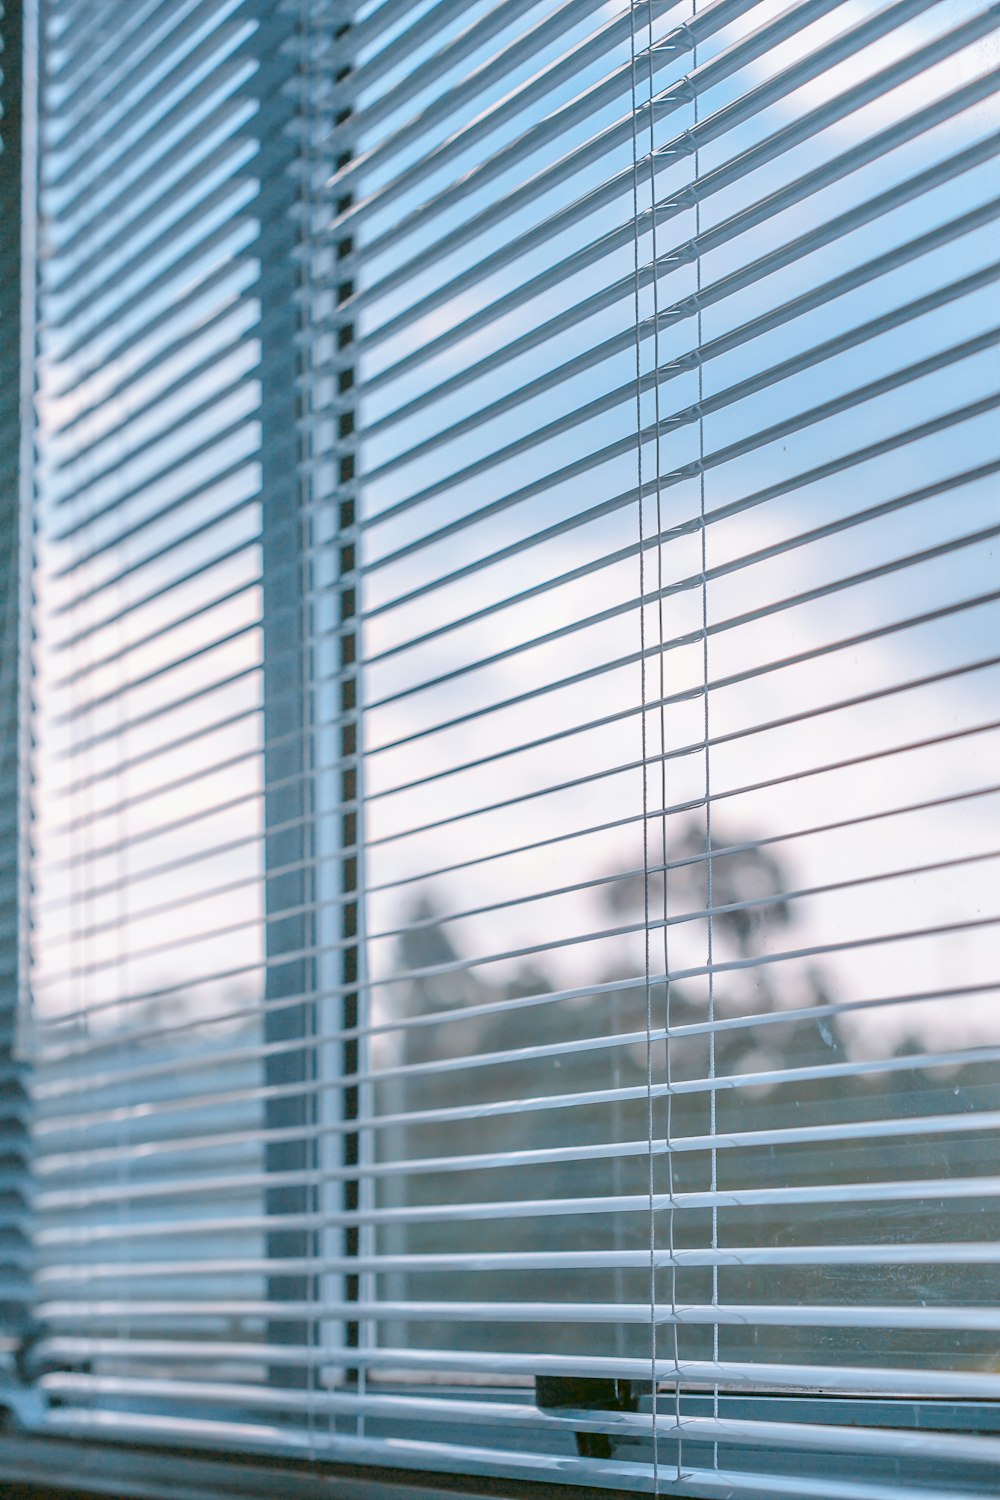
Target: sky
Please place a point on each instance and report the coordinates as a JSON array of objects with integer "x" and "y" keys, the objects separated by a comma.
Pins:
[{"x": 751, "y": 561}]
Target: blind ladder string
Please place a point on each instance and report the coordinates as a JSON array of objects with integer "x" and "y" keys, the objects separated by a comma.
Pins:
[
  {"x": 307, "y": 126},
  {"x": 119, "y": 968},
  {"x": 709, "y": 890},
  {"x": 662, "y": 696},
  {"x": 651, "y": 1184},
  {"x": 123, "y": 899}
]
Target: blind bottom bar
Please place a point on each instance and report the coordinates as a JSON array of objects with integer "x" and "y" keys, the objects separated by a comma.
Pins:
[
  {"x": 961, "y": 1447},
  {"x": 623, "y": 1476}
]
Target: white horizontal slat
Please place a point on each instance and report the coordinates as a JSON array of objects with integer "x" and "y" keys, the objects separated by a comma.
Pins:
[
  {"x": 920, "y": 1128},
  {"x": 725, "y": 343},
  {"x": 896, "y": 1318},
  {"x": 905, "y": 375},
  {"x": 477, "y": 959},
  {"x": 522, "y": 47},
  {"x": 722, "y": 850},
  {"x": 840, "y": 225},
  {"x": 909, "y": 747},
  {"x": 540, "y": 1260},
  {"x": 734, "y": 1375},
  {"x": 746, "y": 105},
  {"x": 731, "y": 172},
  {"x": 973, "y": 1190},
  {"x": 607, "y": 1473},
  {"x": 580, "y": 110},
  {"x": 136, "y": 1075}
]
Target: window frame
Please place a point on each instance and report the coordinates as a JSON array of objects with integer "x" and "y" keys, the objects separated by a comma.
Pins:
[{"x": 148, "y": 1469}]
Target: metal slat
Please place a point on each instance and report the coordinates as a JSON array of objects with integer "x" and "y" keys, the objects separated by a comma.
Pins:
[
  {"x": 735, "y": 170},
  {"x": 52, "y": 1123},
  {"x": 832, "y": 170},
  {"x": 462, "y": 1263},
  {"x": 97, "y": 1081},
  {"x": 712, "y": 127},
  {"x": 973, "y": 1190},
  {"x": 63, "y": 1200},
  {"x": 951, "y": 736}
]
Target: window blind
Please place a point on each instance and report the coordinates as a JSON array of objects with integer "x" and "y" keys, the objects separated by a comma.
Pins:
[{"x": 515, "y": 985}]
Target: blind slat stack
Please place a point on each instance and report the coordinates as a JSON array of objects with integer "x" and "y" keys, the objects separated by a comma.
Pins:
[
  {"x": 516, "y": 981},
  {"x": 16, "y": 336}
]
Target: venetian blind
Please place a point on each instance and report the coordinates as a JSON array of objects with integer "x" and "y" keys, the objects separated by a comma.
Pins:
[{"x": 516, "y": 971}]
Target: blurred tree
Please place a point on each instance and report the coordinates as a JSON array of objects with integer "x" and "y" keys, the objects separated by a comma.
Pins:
[{"x": 772, "y": 1061}]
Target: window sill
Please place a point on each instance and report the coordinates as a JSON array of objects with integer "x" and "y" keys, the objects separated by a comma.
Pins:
[{"x": 42, "y": 1468}]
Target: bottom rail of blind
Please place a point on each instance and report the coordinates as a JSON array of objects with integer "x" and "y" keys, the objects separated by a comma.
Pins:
[{"x": 74, "y": 1450}]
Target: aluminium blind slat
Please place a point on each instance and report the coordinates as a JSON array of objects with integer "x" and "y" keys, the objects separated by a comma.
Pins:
[
  {"x": 429, "y": 25},
  {"x": 482, "y": 1059},
  {"x": 783, "y": 140},
  {"x": 734, "y": 735},
  {"x": 859, "y": 517},
  {"x": 614, "y": 87},
  {"x": 603, "y": 881},
  {"x": 83, "y": 408},
  {"x": 852, "y": 1255},
  {"x": 612, "y": 1211},
  {"x": 230, "y": 554},
  {"x": 55, "y": 1200},
  {"x": 735, "y": 1082},
  {"x": 566, "y": 65},
  {"x": 731, "y": 1375},
  {"x": 731, "y": 907},
  {"x": 957, "y": 1319},
  {"x": 99, "y": 310},
  {"x": 433, "y": 22},
  {"x": 56, "y": 976},
  {"x": 53, "y": 978},
  {"x": 686, "y": 584},
  {"x": 179, "y": 169},
  {"x": 973, "y": 730},
  {"x": 165, "y": 392},
  {"x": 231, "y": 233},
  {"x": 764, "y": 323},
  {"x": 58, "y": 903},
  {"x": 944, "y": 420},
  {"x": 185, "y": 56},
  {"x": 755, "y": 1020},
  {"x": 140, "y": 29},
  {"x": 706, "y": 295},
  {"x": 110, "y": 101},
  {"x": 235, "y": 429},
  {"x": 131, "y": 1074},
  {"x": 509, "y": 1413},
  {"x": 191, "y": 293},
  {"x": 917, "y": 745},
  {"x": 984, "y": 340},
  {"x": 755, "y": 42},
  {"x": 840, "y": 164},
  {"x": 115, "y": 655},
  {"x": 464, "y": 1459}
]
